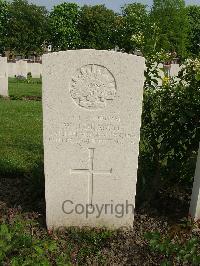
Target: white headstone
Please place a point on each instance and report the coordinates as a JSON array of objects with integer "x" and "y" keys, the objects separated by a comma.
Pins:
[
  {"x": 3, "y": 77},
  {"x": 92, "y": 104},
  {"x": 195, "y": 199},
  {"x": 21, "y": 68}
]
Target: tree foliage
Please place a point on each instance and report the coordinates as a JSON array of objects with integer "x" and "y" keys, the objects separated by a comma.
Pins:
[
  {"x": 26, "y": 28},
  {"x": 97, "y": 26},
  {"x": 64, "y": 26},
  {"x": 193, "y": 13},
  {"x": 169, "y": 26},
  {"x": 3, "y": 22},
  {"x": 171, "y": 20},
  {"x": 135, "y": 20}
]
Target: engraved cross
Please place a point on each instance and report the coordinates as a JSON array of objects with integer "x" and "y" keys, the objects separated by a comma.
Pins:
[{"x": 91, "y": 172}]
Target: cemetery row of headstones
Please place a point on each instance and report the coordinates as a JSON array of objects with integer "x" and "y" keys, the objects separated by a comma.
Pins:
[
  {"x": 22, "y": 68},
  {"x": 92, "y": 105}
]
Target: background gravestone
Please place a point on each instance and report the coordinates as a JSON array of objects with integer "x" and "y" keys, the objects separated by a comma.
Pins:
[
  {"x": 21, "y": 67},
  {"x": 3, "y": 77},
  {"x": 195, "y": 199},
  {"x": 92, "y": 104}
]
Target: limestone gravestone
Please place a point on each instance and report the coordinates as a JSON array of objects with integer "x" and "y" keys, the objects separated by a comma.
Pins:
[
  {"x": 21, "y": 67},
  {"x": 3, "y": 77},
  {"x": 195, "y": 199},
  {"x": 92, "y": 104}
]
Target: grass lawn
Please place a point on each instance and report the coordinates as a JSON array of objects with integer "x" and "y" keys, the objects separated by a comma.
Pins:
[
  {"x": 24, "y": 239},
  {"x": 20, "y": 89},
  {"x": 20, "y": 136}
]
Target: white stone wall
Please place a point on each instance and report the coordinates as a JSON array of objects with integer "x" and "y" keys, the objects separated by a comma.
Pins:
[
  {"x": 22, "y": 68},
  {"x": 35, "y": 69},
  {"x": 12, "y": 69}
]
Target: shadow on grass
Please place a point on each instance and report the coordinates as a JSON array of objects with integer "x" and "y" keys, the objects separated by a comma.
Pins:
[
  {"x": 167, "y": 199},
  {"x": 23, "y": 190},
  {"x": 169, "y": 202}
]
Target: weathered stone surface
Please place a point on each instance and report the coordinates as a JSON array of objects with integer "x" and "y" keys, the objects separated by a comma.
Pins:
[
  {"x": 92, "y": 104},
  {"x": 195, "y": 199},
  {"x": 3, "y": 77}
]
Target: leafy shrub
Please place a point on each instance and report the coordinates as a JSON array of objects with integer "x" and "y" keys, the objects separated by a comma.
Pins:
[
  {"x": 170, "y": 130},
  {"x": 29, "y": 75},
  {"x": 19, "y": 247},
  {"x": 175, "y": 250},
  {"x": 24, "y": 243}
]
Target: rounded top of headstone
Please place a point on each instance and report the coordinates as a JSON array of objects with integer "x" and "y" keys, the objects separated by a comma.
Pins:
[{"x": 93, "y": 52}]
